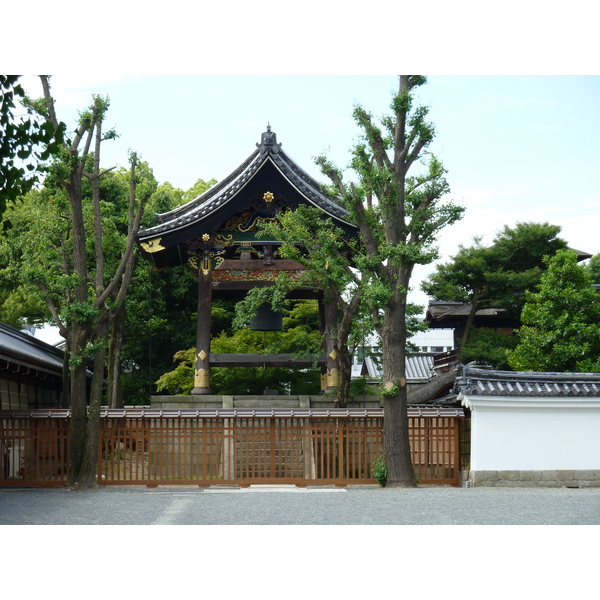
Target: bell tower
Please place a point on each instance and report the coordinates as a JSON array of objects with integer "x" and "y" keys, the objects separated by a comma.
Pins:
[{"x": 217, "y": 234}]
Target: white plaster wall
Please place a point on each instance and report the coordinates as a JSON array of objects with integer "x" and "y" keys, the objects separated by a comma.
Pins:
[
  {"x": 430, "y": 338},
  {"x": 540, "y": 434}
]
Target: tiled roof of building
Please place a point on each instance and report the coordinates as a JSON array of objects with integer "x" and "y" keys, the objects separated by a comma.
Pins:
[
  {"x": 227, "y": 189},
  {"x": 440, "y": 309},
  {"x": 487, "y": 382},
  {"x": 24, "y": 349},
  {"x": 419, "y": 368}
]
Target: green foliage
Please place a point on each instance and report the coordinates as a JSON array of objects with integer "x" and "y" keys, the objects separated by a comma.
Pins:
[
  {"x": 593, "y": 268},
  {"x": 489, "y": 347},
  {"x": 380, "y": 470},
  {"x": 300, "y": 336},
  {"x": 80, "y": 311},
  {"x": 197, "y": 189},
  {"x": 24, "y": 143},
  {"x": 399, "y": 215},
  {"x": 160, "y": 320},
  {"x": 389, "y": 388},
  {"x": 561, "y": 321},
  {"x": 495, "y": 276},
  {"x": 181, "y": 379}
]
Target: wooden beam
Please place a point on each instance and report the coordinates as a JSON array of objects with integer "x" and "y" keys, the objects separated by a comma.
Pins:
[
  {"x": 238, "y": 264},
  {"x": 259, "y": 360},
  {"x": 238, "y": 288}
]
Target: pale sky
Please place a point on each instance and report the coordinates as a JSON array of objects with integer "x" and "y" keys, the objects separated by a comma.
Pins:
[
  {"x": 513, "y": 93},
  {"x": 517, "y": 148}
]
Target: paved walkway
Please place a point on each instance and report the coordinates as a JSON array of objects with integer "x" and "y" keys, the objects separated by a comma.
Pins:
[{"x": 287, "y": 505}]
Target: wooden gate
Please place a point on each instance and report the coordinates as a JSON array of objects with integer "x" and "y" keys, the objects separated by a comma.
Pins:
[{"x": 243, "y": 447}]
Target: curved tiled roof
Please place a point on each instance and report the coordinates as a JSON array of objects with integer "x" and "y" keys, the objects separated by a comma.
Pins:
[
  {"x": 20, "y": 348},
  {"x": 419, "y": 368},
  {"x": 487, "y": 382},
  {"x": 226, "y": 190}
]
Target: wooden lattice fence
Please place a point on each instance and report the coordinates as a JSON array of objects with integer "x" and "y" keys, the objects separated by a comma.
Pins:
[{"x": 206, "y": 447}]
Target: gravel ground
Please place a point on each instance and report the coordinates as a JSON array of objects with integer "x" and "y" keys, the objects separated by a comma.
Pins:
[{"x": 287, "y": 505}]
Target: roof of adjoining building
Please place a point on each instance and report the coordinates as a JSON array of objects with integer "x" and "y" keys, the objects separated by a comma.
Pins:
[
  {"x": 441, "y": 309},
  {"x": 419, "y": 368},
  {"x": 23, "y": 349},
  {"x": 488, "y": 382}
]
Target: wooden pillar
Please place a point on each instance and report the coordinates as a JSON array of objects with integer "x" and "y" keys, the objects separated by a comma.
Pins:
[
  {"x": 331, "y": 379},
  {"x": 202, "y": 370}
]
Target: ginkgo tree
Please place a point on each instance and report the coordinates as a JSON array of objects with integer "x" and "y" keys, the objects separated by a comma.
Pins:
[
  {"x": 82, "y": 289},
  {"x": 398, "y": 203}
]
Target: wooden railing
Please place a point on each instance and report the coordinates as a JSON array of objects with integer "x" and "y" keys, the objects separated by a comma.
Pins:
[{"x": 202, "y": 447}]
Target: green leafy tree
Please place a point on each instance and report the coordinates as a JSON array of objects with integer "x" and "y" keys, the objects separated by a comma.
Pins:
[
  {"x": 160, "y": 320},
  {"x": 197, "y": 189},
  {"x": 489, "y": 347},
  {"x": 399, "y": 212},
  {"x": 329, "y": 257},
  {"x": 25, "y": 141},
  {"x": 38, "y": 228},
  {"x": 494, "y": 276},
  {"x": 561, "y": 321},
  {"x": 593, "y": 268},
  {"x": 327, "y": 253},
  {"x": 83, "y": 293}
]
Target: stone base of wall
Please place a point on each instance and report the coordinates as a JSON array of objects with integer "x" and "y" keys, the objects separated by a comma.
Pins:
[
  {"x": 551, "y": 478},
  {"x": 267, "y": 401}
]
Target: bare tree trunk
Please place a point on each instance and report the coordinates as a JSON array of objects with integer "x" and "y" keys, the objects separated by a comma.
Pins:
[
  {"x": 89, "y": 466},
  {"x": 78, "y": 420},
  {"x": 117, "y": 337},
  {"x": 423, "y": 392},
  {"x": 349, "y": 311},
  {"x": 66, "y": 379},
  {"x": 345, "y": 365},
  {"x": 469, "y": 323},
  {"x": 395, "y": 401}
]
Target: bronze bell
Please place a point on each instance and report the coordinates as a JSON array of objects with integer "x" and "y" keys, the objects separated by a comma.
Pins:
[{"x": 267, "y": 319}]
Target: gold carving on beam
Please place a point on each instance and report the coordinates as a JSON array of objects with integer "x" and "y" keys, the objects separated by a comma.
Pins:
[
  {"x": 268, "y": 197},
  {"x": 202, "y": 355},
  {"x": 226, "y": 240},
  {"x": 152, "y": 245},
  {"x": 255, "y": 221},
  {"x": 205, "y": 237},
  {"x": 201, "y": 378}
]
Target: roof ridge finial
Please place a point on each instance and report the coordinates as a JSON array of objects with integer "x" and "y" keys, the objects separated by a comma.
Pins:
[{"x": 268, "y": 141}]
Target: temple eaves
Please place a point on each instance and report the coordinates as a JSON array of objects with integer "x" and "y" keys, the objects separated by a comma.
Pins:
[
  {"x": 232, "y": 206},
  {"x": 229, "y": 192}
]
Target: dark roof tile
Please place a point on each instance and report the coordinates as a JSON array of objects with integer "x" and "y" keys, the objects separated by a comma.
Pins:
[{"x": 488, "y": 382}]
